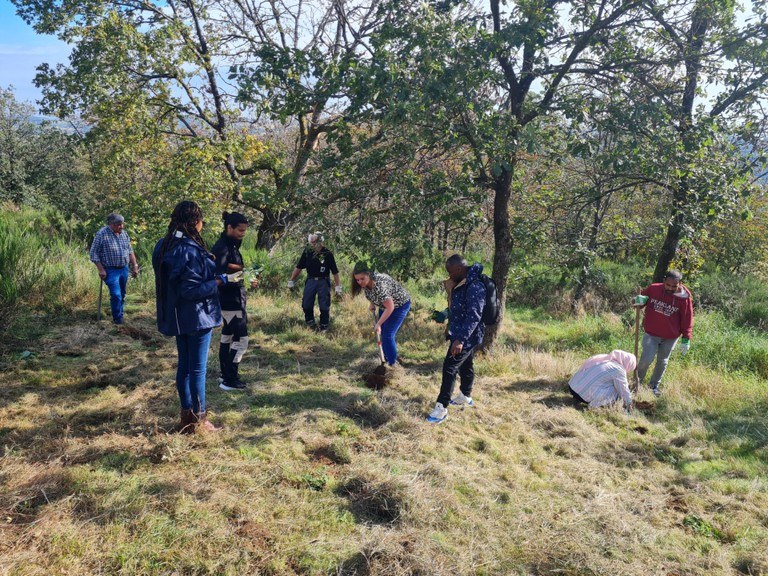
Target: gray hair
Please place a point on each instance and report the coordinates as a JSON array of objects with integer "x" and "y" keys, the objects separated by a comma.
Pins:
[{"x": 115, "y": 218}]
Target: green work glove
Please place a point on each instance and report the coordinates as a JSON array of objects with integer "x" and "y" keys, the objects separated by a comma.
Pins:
[
  {"x": 441, "y": 317},
  {"x": 684, "y": 346}
]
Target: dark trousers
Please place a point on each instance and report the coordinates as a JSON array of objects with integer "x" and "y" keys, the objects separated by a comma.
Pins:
[
  {"x": 463, "y": 365},
  {"x": 576, "y": 397},
  {"x": 233, "y": 344},
  {"x": 320, "y": 287}
]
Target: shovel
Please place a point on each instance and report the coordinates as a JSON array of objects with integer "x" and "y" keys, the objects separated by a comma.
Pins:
[
  {"x": 381, "y": 369},
  {"x": 377, "y": 379},
  {"x": 101, "y": 291}
]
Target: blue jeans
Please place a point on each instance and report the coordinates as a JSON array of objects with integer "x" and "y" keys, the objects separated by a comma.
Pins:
[
  {"x": 190, "y": 375},
  {"x": 389, "y": 330},
  {"x": 654, "y": 347},
  {"x": 116, "y": 281}
]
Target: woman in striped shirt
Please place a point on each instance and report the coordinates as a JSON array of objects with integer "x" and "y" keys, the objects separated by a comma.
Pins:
[{"x": 602, "y": 379}]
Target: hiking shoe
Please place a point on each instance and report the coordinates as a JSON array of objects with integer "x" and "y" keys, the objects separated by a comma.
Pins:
[
  {"x": 656, "y": 391},
  {"x": 237, "y": 385},
  {"x": 438, "y": 414},
  {"x": 461, "y": 400},
  {"x": 323, "y": 328},
  {"x": 311, "y": 325}
]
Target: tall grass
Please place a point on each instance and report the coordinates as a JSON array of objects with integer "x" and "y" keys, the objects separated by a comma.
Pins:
[
  {"x": 719, "y": 343},
  {"x": 39, "y": 270}
]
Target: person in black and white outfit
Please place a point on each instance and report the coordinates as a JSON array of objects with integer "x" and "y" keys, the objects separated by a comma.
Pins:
[
  {"x": 319, "y": 264},
  {"x": 234, "y": 332}
]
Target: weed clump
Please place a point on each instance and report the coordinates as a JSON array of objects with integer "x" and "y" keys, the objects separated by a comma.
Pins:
[
  {"x": 369, "y": 412},
  {"x": 375, "y": 502},
  {"x": 335, "y": 453}
]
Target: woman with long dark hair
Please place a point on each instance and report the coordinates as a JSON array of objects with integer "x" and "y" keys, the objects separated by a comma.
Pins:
[
  {"x": 392, "y": 300},
  {"x": 186, "y": 289}
]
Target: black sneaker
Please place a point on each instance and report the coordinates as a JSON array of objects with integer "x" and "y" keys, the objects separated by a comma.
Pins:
[
  {"x": 235, "y": 386},
  {"x": 311, "y": 325},
  {"x": 323, "y": 328}
]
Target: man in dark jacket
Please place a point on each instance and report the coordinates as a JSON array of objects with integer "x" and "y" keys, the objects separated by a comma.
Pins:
[
  {"x": 668, "y": 315},
  {"x": 320, "y": 264},
  {"x": 466, "y": 297}
]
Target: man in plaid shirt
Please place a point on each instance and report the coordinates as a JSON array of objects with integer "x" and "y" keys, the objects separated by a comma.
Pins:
[{"x": 111, "y": 252}]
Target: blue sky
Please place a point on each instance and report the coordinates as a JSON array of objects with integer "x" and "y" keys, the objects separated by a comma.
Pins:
[{"x": 22, "y": 51}]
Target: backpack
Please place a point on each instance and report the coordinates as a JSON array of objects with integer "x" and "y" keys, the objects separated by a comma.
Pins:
[{"x": 492, "y": 307}]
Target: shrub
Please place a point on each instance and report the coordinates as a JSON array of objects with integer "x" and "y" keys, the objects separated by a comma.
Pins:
[
  {"x": 745, "y": 298},
  {"x": 38, "y": 270}
]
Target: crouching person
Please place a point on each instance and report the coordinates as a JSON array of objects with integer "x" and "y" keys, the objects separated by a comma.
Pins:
[{"x": 602, "y": 380}]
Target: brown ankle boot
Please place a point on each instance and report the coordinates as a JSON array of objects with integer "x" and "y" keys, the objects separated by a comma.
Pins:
[
  {"x": 188, "y": 420},
  {"x": 205, "y": 425}
]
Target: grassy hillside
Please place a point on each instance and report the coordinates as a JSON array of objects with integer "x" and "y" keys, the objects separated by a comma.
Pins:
[{"x": 315, "y": 474}]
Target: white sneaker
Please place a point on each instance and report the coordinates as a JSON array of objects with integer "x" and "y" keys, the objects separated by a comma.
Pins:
[
  {"x": 461, "y": 400},
  {"x": 438, "y": 414}
]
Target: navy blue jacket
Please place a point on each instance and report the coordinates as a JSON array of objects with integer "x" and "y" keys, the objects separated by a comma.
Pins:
[
  {"x": 185, "y": 289},
  {"x": 467, "y": 303}
]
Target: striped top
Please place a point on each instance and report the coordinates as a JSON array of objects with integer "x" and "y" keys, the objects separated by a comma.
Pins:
[{"x": 602, "y": 384}]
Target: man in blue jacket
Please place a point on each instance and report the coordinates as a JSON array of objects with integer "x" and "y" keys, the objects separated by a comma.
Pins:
[{"x": 466, "y": 297}]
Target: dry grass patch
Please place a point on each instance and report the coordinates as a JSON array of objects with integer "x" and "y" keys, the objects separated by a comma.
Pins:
[{"x": 314, "y": 474}]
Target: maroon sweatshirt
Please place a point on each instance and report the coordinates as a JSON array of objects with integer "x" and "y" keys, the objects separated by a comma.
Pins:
[{"x": 668, "y": 315}]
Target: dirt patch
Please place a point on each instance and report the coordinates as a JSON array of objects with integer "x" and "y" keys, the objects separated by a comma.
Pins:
[
  {"x": 375, "y": 502},
  {"x": 257, "y": 537},
  {"x": 645, "y": 406},
  {"x": 375, "y": 381},
  {"x": 146, "y": 338},
  {"x": 330, "y": 454},
  {"x": 71, "y": 352}
]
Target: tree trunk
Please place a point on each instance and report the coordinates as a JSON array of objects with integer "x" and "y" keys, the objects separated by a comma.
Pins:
[
  {"x": 502, "y": 249},
  {"x": 669, "y": 248},
  {"x": 273, "y": 227},
  {"x": 586, "y": 261}
]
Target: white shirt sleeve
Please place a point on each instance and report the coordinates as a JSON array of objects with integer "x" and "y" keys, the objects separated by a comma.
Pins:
[{"x": 622, "y": 387}]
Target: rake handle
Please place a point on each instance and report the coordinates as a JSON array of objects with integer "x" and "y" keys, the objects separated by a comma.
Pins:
[
  {"x": 636, "y": 379},
  {"x": 101, "y": 291}
]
